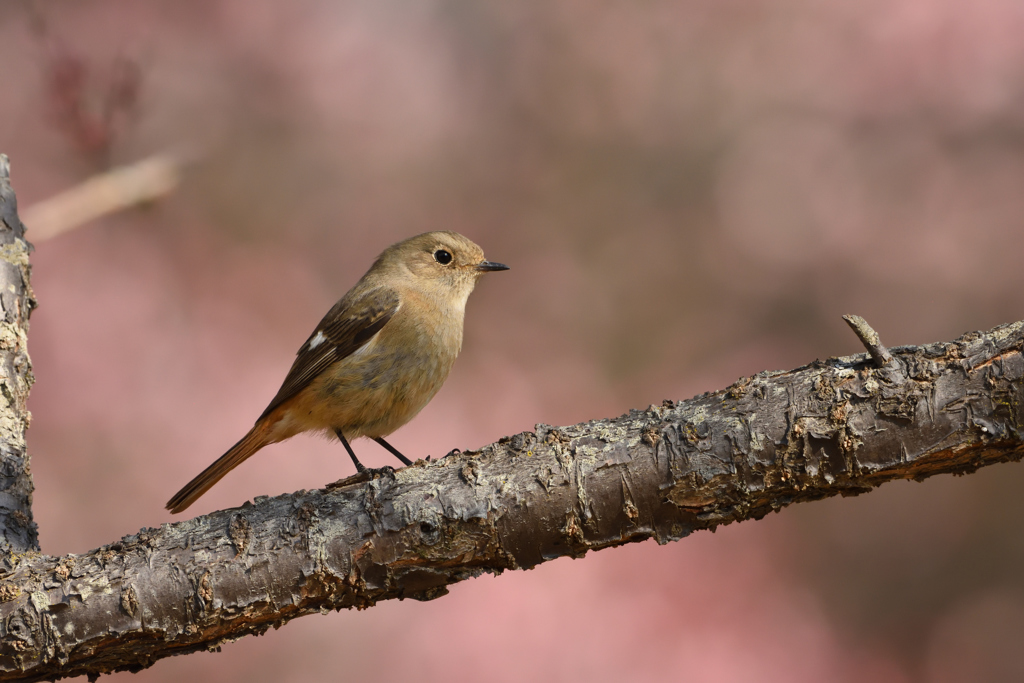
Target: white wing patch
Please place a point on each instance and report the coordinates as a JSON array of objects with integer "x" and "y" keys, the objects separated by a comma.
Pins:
[{"x": 317, "y": 340}]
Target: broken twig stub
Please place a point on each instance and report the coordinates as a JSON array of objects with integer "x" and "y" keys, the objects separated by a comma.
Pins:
[{"x": 870, "y": 339}]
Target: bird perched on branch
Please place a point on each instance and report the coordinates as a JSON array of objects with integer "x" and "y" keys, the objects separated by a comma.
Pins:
[{"x": 376, "y": 359}]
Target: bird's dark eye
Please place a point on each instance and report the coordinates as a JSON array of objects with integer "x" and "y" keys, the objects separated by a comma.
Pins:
[{"x": 443, "y": 257}]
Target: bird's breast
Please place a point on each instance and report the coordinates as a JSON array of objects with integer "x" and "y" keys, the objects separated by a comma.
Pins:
[{"x": 387, "y": 381}]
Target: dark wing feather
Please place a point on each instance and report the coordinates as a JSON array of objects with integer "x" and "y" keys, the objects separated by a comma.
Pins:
[{"x": 346, "y": 327}]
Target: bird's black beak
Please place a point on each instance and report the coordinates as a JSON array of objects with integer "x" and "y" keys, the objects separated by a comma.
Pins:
[{"x": 488, "y": 266}]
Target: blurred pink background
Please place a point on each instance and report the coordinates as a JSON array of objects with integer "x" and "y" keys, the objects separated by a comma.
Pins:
[{"x": 687, "y": 192}]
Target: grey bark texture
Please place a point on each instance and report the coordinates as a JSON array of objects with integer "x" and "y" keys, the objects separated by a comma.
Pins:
[
  {"x": 17, "y": 530},
  {"x": 840, "y": 426}
]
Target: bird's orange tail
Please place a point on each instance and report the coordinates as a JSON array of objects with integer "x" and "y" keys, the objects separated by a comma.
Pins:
[{"x": 250, "y": 443}]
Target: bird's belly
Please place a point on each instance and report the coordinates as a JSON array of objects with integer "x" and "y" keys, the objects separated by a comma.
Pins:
[{"x": 373, "y": 394}]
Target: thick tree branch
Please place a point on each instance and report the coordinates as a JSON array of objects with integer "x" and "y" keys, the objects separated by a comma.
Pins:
[
  {"x": 841, "y": 426},
  {"x": 16, "y": 301}
]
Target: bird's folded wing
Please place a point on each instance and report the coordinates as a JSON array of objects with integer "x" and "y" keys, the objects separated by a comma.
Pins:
[{"x": 345, "y": 328}]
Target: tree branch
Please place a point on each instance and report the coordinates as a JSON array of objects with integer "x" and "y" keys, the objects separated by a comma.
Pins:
[
  {"x": 16, "y": 301},
  {"x": 841, "y": 426},
  {"x": 115, "y": 190}
]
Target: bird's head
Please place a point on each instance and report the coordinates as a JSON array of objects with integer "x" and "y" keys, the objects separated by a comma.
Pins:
[{"x": 442, "y": 263}]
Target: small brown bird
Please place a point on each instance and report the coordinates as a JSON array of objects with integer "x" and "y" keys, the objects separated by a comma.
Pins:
[{"x": 376, "y": 359}]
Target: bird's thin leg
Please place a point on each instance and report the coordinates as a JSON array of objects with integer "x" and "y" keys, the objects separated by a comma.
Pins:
[
  {"x": 394, "y": 451},
  {"x": 351, "y": 453}
]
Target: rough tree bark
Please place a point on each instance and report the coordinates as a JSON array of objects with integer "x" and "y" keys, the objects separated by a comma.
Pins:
[
  {"x": 840, "y": 426},
  {"x": 16, "y": 301}
]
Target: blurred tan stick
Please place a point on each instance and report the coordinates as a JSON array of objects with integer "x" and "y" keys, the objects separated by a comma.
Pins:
[{"x": 115, "y": 190}]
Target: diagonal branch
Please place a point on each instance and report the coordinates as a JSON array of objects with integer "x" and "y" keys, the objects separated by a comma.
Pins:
[
  {"x": 841, "y": 426},
  {"x": 115, "y": 190}
]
